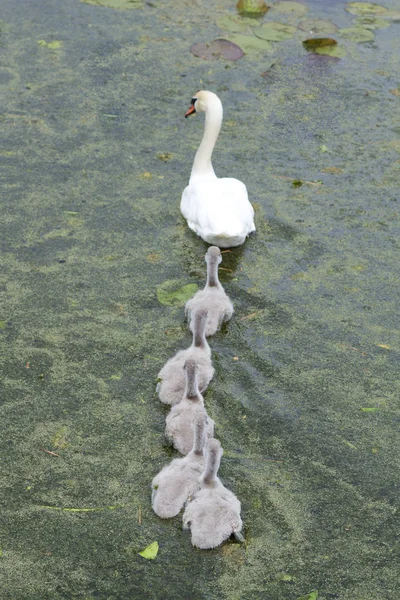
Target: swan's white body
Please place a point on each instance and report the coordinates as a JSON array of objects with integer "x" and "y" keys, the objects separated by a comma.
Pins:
[
  {"x": 218, "y": 210},
  {"x": 213, "y": 513},
  {"x": 176, "y": 482},
  {"x": 212, "y": 298},
  {"x": 171, "y": 386},
  {"x": 178, "y": 422}
]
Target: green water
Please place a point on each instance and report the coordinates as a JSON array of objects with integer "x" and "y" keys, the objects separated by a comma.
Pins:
[{"x": 95, "y": 153}]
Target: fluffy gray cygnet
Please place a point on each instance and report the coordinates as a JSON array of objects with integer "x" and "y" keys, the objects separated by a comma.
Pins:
[
  {"x": 178, "y": 422},
  {"x": 213, "y": 514},
  {"x": 171, "y": 386},
  {"x": 212, "y": 298},
  {"x": 180, "y": 479}
]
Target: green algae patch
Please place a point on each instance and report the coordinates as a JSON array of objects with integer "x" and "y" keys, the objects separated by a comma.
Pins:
[
  {"x": 150, "y": 552},
  {"x": 275, "y": 32},
  {"x": 365, "y": 8},
  {"x": 311, "y": 596},
  {"x": 59, "y": 440},
  {"x": 117, "y": 4},
  {"x": 81, "y": 510},
  {"x": 172, "y": 293},
  {"x": 55, "y": 45}
]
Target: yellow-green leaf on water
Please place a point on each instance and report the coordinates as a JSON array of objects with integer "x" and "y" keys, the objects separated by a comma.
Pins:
[
  {"x": 252, "y": 7},
  {"x": 117, "y": 4},
  {"x": 59, "y": 439},
  {"x": 314, "y": 43},
  {"x": 115, "y": 377},
  {"x": 334, "y": 51},
  {"x": 284, "y": 577},
  {"x": 311, "y": 596},
  {"x": 274, "y": 32},
  {"x": 172, "y": 293},
  {"x": 3, "y": 324},
  {"x": 314, "y": 26},
  {"x": 370, "y": 409},
  {"x": 250, "y": 44},
  {"x": 291, "y": 8},
  {"x": 52, "y": 45},
  {"x": 150, "y": 552},
  {"x": 356, "y": 34},
  {"x": 371, "y": 22},
  {"x": 235, "y": 24},
  {"x": 365, "y": 8}
]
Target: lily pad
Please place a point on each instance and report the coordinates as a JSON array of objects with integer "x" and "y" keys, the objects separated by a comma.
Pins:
[
  {"x": 252, "y": 7},
  {"x": 172, "y": 293},
  {"x": 291, "y": 8},
  {"x": 357, "y": 34},
  {"x": 235, "y": 24},
  {"x": 371, "y": 22},
  {"x": 117, "y": 4},
  {"x": 150, "y": 552},
  {"x": 331, "y": 51},
  {"x": 274, "y": 32},
  {"x": 251, "y": 44},
  {"x": 217, "y": 49},
  {"x": 365, "y": 8},
  {"x": 313, "y": 26},
  {"x": 314, "y": 43}
]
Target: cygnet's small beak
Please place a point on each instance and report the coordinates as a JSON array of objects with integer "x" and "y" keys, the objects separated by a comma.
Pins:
[{"x": 190, "y": 111}]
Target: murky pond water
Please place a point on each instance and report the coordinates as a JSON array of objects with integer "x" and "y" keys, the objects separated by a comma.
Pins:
[{"x": 95, "y": 154}]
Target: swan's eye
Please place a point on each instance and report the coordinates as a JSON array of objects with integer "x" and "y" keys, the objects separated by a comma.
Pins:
[{"x": 193, "y": 101}]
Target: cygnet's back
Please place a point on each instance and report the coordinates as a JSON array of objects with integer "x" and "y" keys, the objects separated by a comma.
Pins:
[
  {"x": 171, "y": 386},
  {"x": 180, "y": 479},
  {"x": 214, "y": 512},
  {"x": 212, "y": 298},
  {"x": 178, "y": 421}
]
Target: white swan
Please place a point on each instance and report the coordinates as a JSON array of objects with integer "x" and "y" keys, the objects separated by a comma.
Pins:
[
  {"x": 173, "y": 485},
  {"x": 213, "y": 514},
  {"x": 171, "y": 386},
  {"x": 212, "y": 298},
  {"x": 218, "y": 210},
  {"x": 179, "y": 420}
]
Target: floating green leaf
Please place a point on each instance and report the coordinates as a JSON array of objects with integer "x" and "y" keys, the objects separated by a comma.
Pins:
[
  {"x": 334, "y": 51},
  {"x": 117, "y": 4},
  {"x": 172, "y": 293},
  {"x": 291, "y": 8},
  {"x": 3, "y": 324},
  {"x": 311, "y": 596},
  {"x": 313, "y": 43},
  {"x": 357, "y": 34},
  {"x": 235, "y": 24},
  {"x": 284, "y": 577},
  {"x": 365, "y": 8},
  {"x": 251, "y": 44},
  {"x": 274, "y": 32},
  {"x": 252, "y": 7},
  {"x": 150, "y": 552},
  {"x": 314, "y": 26},
  {"x": 370, "y": 409},
  {"x": 370, "y": 22},
  {"x": 59, "y": 440}
]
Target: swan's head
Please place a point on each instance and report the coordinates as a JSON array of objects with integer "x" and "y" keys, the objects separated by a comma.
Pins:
[
  {"x": 202, "y": 101},
  {"x": 213, "y": 255}
]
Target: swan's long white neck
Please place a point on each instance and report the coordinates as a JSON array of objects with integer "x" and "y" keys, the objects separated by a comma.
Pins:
[
  {"x": 202, "y": 166},
  {"x": 213, "y": 460}
]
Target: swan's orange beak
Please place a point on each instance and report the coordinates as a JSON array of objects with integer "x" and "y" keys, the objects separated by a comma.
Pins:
[{"x": 190, "y": 111}]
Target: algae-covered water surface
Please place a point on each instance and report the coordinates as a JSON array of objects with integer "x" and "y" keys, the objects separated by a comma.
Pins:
[{"x": 96, "y": 264}]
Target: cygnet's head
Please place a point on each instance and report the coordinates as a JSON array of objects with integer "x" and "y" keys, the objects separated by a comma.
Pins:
[
  {"x": 203, "y": 100},
  {"x": 213, "y": 255}
]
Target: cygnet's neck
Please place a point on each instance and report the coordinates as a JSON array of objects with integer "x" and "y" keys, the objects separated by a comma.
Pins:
[
  {"x": 192, "y": 383},
  {"x": 212, "y": 272},
  {"x": 199, "y": 329},
  {"x": 213, "y": 460},
  {"x": 202, "y": 166},
  {"x": 199, "y": 434}
]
